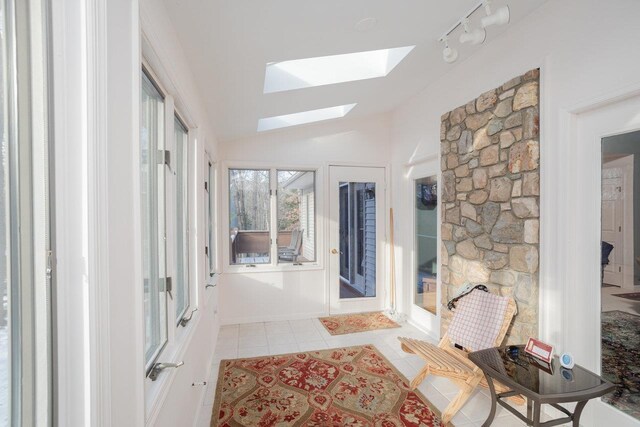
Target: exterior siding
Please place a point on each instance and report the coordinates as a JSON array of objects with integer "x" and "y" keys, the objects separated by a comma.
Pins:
[
  {"x": 307, "y": 223},
  {"x": 370, "y": 246}
]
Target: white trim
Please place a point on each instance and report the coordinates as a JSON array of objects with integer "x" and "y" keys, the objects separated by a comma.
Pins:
[
  {"x": 70, "y": 24},
  {"x": 98, "y": 178}
]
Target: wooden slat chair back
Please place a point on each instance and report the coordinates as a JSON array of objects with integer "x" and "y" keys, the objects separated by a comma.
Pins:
[{"x": 448, "y": 361}]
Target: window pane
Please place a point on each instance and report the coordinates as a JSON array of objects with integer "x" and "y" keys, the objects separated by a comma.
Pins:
[
  {"x": 153, "y": 227},
  {"x": 249, "y": 215},
  {"x": 210, "y": 220},
  {"x": 357, "y": 229},
  {"x": 426, "y": 243},
  {"x": 182, "y": 221},
  {"x": 296, "y": 216}
]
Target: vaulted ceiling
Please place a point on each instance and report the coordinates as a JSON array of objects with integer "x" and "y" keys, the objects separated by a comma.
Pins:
[{"x": 229, "y": 42}]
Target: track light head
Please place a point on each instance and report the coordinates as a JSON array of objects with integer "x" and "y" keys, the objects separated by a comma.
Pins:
[
  {"x": 500, "y": 17},
  {"x": 449, "y": 54},
  {"x": 476, "y": 36}
]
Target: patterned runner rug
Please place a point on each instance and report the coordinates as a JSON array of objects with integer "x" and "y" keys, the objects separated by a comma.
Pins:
[
  {"x": 621, "y": 360},
  {"x": 346, "y": 387},
  {"x": 359, "y": 322}
]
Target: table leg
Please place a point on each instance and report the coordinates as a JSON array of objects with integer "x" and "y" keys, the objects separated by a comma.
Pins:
[
  {"x": 536, "y": 414},
  {"x": 529, "y": 407},
  {"x": 577, "y": 412},
  {"x": 494, "y": 399}
]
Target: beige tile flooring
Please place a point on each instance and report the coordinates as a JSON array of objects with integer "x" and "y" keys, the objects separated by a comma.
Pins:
[
  {"x": 269, "y": 338},
  {"x": 610, "y": 302}
]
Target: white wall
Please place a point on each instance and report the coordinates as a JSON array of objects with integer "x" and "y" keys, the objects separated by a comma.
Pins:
[
  {"x": 296, "y": 292},
  {"x": 587, "y": 52},
  {"x": 176, "y": 402},
  {"x": 97, "y": 64}
]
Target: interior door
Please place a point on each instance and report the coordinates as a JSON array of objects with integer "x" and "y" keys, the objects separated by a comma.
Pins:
[
  {"x": 612, "y": 218},
  {"x": 357, "y": 235}
]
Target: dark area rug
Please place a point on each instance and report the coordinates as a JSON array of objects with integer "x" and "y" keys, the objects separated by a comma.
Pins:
[
  {"x": 621, "y": 360},
  {"x": 635, "y": 296}
]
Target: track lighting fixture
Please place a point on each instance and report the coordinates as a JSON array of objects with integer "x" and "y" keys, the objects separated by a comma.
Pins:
[
  {"x": 449, "y": 54},
  {"x": 500, "y": 17},
  {"x": 476, "y": 36}
]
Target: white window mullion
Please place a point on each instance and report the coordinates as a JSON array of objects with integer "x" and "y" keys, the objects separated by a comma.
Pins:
[{"x": 273, "y": 231}]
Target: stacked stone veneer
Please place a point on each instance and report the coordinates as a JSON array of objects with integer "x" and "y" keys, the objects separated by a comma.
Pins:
[{"x": 491, "y": 197}]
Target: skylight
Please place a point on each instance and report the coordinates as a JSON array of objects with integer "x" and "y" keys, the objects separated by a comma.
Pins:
[
  {"x": 303, "y": 117},
  {"x": 326, "y": 70}
]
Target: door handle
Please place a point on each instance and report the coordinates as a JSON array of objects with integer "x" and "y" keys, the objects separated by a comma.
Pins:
[{"x": 334, "y": 251}]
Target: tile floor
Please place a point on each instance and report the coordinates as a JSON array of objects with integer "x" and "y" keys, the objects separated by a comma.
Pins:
[
  {"x": 270, "y": 338},
  {"x": 611, "y": 302}
]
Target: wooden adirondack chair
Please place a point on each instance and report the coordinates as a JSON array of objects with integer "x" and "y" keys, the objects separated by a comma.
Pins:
[{"x": 478, "y": 326}]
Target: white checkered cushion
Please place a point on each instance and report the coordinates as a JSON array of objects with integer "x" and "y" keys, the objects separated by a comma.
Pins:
[{"x": 477, "y": 320}]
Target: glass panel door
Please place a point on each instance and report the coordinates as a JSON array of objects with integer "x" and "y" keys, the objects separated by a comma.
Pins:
[
  {"x": 357, "y": 232},
  {"x": 426, "y": 243}
]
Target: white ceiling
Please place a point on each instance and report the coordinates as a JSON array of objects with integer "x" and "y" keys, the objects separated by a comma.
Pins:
[{"x": 229, "y": 42}]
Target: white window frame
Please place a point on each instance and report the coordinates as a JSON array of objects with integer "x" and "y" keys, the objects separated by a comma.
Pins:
[
  {"x": 210, "y": 213},
  {"x": 178, "y": 320},
  {"x": 273, "y": 265},
  {"x": 168, "y": 225},
  {"x": 30, "y": 237},
  {"x": 179, "y": 336}
]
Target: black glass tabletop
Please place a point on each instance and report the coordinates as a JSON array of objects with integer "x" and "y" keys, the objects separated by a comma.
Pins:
[{"x": 536, "y": 375}]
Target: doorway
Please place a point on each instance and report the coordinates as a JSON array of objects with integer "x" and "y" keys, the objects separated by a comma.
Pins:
[
  {"x": 357, "y": 207},
  {"x": 620, "y": 299},
  {"x": 582, "y": 297}
]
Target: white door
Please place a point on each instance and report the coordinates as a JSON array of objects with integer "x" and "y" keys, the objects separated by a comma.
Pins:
[
  {"x": 612, "y": 218},
  {"x": 357, "y": 239}
]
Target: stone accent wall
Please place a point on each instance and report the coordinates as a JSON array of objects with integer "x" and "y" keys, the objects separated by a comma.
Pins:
[{"x": 491, "y": 197}]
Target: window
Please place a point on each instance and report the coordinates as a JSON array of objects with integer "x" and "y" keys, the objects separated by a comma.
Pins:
[
  {"x": 271, "y": 211},
  {"x": 249, "y": 216},
  {"x": 182, "y": 220},
  {"x": 327, "y": 70},
  {"x": 209, "y": 215},
  {"x": 152, "y": 180},
  {"x": 296, "y": 216},
  {"x": 25, "y": 246}
]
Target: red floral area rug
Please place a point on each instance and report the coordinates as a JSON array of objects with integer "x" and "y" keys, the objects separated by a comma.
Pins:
[
  {"x": 358, "y": 322},
  {"x": 344, "y": 387}
]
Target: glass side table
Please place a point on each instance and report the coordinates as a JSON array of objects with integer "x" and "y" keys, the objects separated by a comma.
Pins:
[{"x": 539, "y": 382}]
